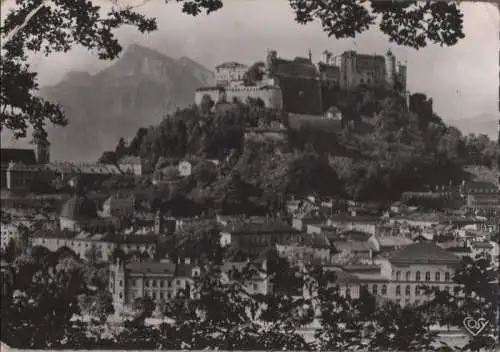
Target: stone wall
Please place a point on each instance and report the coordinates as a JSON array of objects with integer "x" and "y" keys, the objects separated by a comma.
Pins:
[{"x": 271, "y": 96}]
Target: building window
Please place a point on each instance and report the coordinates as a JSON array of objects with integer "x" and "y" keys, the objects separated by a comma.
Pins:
[
  {"x": 146, "y": 283},
  {"x": 408, "y": 290},
  {"x": 169, "y": 283},
  {"x": 417, "y": 276},
  {"x": 134, "y": 282},
  {"x": 121, "y": 283},
  {"x": 162, "y": 296},
  {"x": 255, "y": 287},
  {"x": 153, "y": 283},
  {"x": 348, "y": 292},
  {"x": 178, "y": 282},
  {"x": 438, "y": 276},
  {"x": 162, "y": 283},
  {"x": 408, "y": 276},
  {"x": 398, "y": 290},
  {"x": 398, "y": 275},
  {"x": 384, "y": 289},
  {"x": 427, "y": 276},
  {"x": 154, "y": 295},
  {"x": 121, "y": 295},
  {"x": 417, "y": 291},
  {"x": 446, "y": 276},
  {"x": 375, "y": 289}
]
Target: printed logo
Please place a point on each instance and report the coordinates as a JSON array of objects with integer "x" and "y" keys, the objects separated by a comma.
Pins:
[{"x": 475, "y": 326}]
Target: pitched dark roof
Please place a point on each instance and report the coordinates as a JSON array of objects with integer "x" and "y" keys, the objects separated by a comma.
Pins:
[
  {"x": 179, "y": 270},
  {"x": 355, "y": 235},
  {"x": 25, "y": 156},
  {"x": 480, "y": 186},
  {"x": 355, "y": 218},
  {"x": 79, "y": 208},
  {"x": 423, "y": 253},
  {"x": 266, "y": 227}
]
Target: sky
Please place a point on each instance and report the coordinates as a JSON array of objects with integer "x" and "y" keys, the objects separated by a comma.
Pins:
[{"x": 462, "y": 79}]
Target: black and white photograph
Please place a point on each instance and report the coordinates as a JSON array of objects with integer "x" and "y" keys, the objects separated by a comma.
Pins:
[{"x": 250, "y": 175}]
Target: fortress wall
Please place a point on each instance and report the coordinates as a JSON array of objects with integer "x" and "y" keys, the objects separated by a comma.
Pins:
[
  {"x": 301, "y": 95},
  {"x": 271, "y": 96},
  {"x": 213, "y": 93}
]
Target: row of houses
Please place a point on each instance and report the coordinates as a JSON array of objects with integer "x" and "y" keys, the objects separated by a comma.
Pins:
[{"x": 400, "y": 278}]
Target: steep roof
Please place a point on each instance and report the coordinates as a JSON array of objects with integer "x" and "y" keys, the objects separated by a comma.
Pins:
[
  {"x": 423, "y": 253},
  {"x": 179, "y": 270},
  {"x": 79, "y": 207},
  {"x": 394, "y": 241},
  {"x": 351, "y": 246},
  {"x": 130, "y": 160},
  {"x": 480, "y": 186},
  {"x": 355, "y": 235},
  {"x": 266, "y": 227},
  {"x": 25, "y": 156}
]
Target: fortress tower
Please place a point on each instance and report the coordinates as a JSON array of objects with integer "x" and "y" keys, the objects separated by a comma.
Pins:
[
  {"x": 271, "y": 56},
  {"x": 401, "y": 76},
  {"x": 390, "y": 68},
  {"x": 42, "y": 146}
]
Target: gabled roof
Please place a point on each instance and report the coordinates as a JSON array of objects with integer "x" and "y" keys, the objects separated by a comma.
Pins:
[
  {"x": 266, "y": 227},
  {"x": 130, "y": 160},
  {"x": 352, "y": 246},
  {"x": 355, "y": 218},
  {"x": 486, "y": 245},
  {"x": 423, "y": 253},
  {"x": 480, "y": 186},
  {"x": 355, "y": 235},
  {"x": 25, "y": 156},
  {"x": 394, "y": 241}
]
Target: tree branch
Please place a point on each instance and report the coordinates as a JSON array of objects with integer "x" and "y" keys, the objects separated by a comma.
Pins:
[{"x": 20, "y": 27}]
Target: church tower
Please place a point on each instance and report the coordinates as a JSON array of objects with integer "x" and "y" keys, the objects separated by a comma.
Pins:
[{"x": 42, "y": 146}]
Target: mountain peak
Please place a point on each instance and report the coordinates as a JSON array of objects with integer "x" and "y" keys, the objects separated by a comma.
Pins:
[
  {"x": 136, "y": 90},
  {"x": 144, "y": 51}
]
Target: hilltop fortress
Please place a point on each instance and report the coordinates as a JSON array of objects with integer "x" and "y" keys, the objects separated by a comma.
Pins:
[{"x": 301, "y": 86}]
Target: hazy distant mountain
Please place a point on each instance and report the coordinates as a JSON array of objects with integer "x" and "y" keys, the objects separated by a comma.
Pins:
[
  {"x": 135, "y": 91},
  {"x": 481, "y": 124}
]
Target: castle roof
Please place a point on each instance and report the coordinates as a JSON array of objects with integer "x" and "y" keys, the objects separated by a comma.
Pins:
[
  {"x": 423, "y": 253},
  {"x": 79, "y": 208},
  {"x": 25, "y": 156}
]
